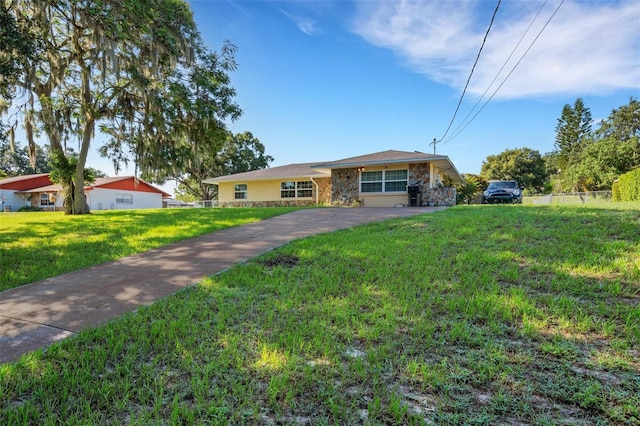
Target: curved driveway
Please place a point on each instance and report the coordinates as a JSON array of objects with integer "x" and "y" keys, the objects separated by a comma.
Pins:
[{"x": 38, "y": 314}]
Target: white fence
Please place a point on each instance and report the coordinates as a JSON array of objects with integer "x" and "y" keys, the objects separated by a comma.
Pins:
[{"x": 569, "y": 198}]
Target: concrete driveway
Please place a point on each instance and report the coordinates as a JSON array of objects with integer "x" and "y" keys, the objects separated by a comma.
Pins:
[{"x": 38, "y": 314}]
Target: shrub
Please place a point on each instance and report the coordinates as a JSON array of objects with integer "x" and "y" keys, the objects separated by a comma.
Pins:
[
  {"x": 628, "y": 186},
  {"x": 615, "y": 192},
  {"x": 29, "y": 209}
]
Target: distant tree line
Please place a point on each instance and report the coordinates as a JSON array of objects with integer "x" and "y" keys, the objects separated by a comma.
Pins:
[{"x": 583, "y": 159}]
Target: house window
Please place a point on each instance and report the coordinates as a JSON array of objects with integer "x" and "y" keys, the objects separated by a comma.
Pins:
[
  {"x": 287, "y": 190},
  {"x": 371, "y": 182},
  {"x": 305, "y": 189},
  {"x": 300, "y": 189},
  {"x": 395, "y": 181},
  {"x": 383, "y": 181},
  {"x": 45, "y": 200},
  {"x": 124, "y": 198},
  {"x": 240, "y": 191}
]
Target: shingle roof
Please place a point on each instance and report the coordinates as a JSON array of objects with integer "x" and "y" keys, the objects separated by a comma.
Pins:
[
  {"x": 291, "y": 171},
  {"x": 307, "y": 170},
  {"x": 21, "y": 178},
  {"x": 384, "y": 157},
  {"x": 98, "y": 183}
]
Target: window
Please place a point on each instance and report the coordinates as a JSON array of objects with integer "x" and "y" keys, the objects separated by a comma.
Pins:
[
  {"x": 395, "y": 181},
  {"x": 45, "y": 200},
  {"x": 240, "y": 191},
  {"x": 384, "y": 181},
  {"x": 371, "y": 182},
  {"x": 305, "y": 189},
  {"x": 300, "y": 189},
  {"x": 124, "y": 199},
  {"x": 287, "y": 190}
]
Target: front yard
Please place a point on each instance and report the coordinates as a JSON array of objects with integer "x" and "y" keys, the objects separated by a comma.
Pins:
[
  {"x": 39, "y": 245},
  {"x": 473, "y": 315}
]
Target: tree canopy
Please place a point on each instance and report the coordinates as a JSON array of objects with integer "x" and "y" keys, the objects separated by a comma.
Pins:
[
  {"x": 524, "y": 165},
  {"x": 15, "y": 161},
  {"x": 583, "y": 159},
  {"x": 100, "y": 63},
  {"x": 17, "y": 43},
  {"x": 239, "y": 153},
  {"x": 572, "y": 130},
  {"x": 605, "y": 154}
]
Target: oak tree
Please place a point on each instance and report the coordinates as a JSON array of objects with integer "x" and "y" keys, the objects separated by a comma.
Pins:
[
  {"x": 523, "y": 165},
  {"x": 95, "y": 58}
]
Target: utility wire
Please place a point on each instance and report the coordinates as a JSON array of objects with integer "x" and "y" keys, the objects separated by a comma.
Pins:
[
  {"x": 508, "y": 75},
  {"x": 513, "y": 51},
  {"x": 471, "y": 73}
]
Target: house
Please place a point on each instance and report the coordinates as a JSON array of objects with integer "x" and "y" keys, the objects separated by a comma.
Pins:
[
  {"x": 382, "y": 179},
  {"x": 125, "y": 192}
]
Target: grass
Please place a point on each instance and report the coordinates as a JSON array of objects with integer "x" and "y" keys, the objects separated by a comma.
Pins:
[
  {"x": 473, "y": 315},
  {"x": 39, "y": 245}
]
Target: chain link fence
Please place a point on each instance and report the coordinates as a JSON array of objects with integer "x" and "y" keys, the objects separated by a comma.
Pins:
[{"x": 569, "y": 198}]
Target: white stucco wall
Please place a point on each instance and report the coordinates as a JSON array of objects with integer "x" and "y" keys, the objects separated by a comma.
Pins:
[
  {"x": 105, "y": 199},
  {"x": 11, "y": 200}
]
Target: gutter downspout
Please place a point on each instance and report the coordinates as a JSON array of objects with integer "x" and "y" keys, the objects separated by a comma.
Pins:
[{"x": 317, "y": 188}]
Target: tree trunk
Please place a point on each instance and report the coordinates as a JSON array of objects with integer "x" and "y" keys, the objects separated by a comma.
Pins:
[{"x": 80, "y": 205}]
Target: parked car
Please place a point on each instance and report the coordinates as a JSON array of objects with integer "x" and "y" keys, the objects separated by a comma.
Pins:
[{"x": 502, "y": 191}]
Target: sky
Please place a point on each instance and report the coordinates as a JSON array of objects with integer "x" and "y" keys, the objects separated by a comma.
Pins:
[{"x": 324, "y": 80}]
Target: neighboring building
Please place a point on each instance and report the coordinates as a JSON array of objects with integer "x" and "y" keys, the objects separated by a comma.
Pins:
[
  {"x": 112, "y": 193},
  {"x": 381, "y": 179}
]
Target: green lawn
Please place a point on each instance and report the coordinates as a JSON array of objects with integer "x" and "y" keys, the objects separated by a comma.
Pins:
[
  {"x": 39, "y": 245},
  {"x": 472, "y": 315}
]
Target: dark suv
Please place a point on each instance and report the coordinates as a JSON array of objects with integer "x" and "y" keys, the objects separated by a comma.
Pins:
[{"x": 502, "y": 191}]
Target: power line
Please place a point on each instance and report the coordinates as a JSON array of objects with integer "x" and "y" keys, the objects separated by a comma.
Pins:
[
  {"x": 471, "y": 73},
  {"x": 463, "y": 125},
  {"x": 513, "y": 51}
]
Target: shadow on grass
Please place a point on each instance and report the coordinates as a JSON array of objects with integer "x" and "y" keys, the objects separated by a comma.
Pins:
[
  {"x": 487, "y": 315},
  {"x": 42, "y": 245}
]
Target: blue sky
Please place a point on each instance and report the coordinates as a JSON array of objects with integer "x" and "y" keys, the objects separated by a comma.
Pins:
[{"x": 324, "y": 80}]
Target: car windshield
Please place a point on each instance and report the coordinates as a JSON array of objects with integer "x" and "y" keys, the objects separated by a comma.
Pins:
[{"x": 500, "y": 185}]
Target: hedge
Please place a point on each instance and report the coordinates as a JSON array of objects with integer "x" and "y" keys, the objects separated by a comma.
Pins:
[{"x": 627, "y": 188}]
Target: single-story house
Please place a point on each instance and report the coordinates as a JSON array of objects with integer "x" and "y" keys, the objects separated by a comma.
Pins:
[
  {"x": 382, "y": 179},
  {"x": 110, "y": 193}
]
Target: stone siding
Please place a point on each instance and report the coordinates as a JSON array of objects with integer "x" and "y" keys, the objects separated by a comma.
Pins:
[
  {"x": 281, "y": 203},
  {"x": 419, "y": 174},
  {"x": 324, "y": 190},
  {"x": 344, "y": 187},
  {"x": 439, "y": 197}
]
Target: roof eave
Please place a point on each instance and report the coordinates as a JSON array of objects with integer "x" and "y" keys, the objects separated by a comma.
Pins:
[
  {"x": 378, "y": 162},
  {"x": 216, "y": 181}
]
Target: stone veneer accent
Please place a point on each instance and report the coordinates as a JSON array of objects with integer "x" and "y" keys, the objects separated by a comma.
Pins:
[
  {"x": 441, "y": 196},
  {"x": 419, "y": 174},
  {"x": 344, "y": 187},
  {"x": 283, "y": 203},
  {"x": 445, "y": 196},
  {"x": 324, "y": 190},
  {"x": 345, "y": 190}
]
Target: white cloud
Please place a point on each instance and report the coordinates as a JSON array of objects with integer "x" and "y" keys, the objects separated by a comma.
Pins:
[
  {"x": 588, "y": 48},
  {"x": 304, "y": 24}
]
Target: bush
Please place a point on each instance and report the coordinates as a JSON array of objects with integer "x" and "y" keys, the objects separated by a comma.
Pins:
[
  {"x": 29, "y": 209},
  {"x": 615, "y": 192},
  {"x": 628, "y": 187}
]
